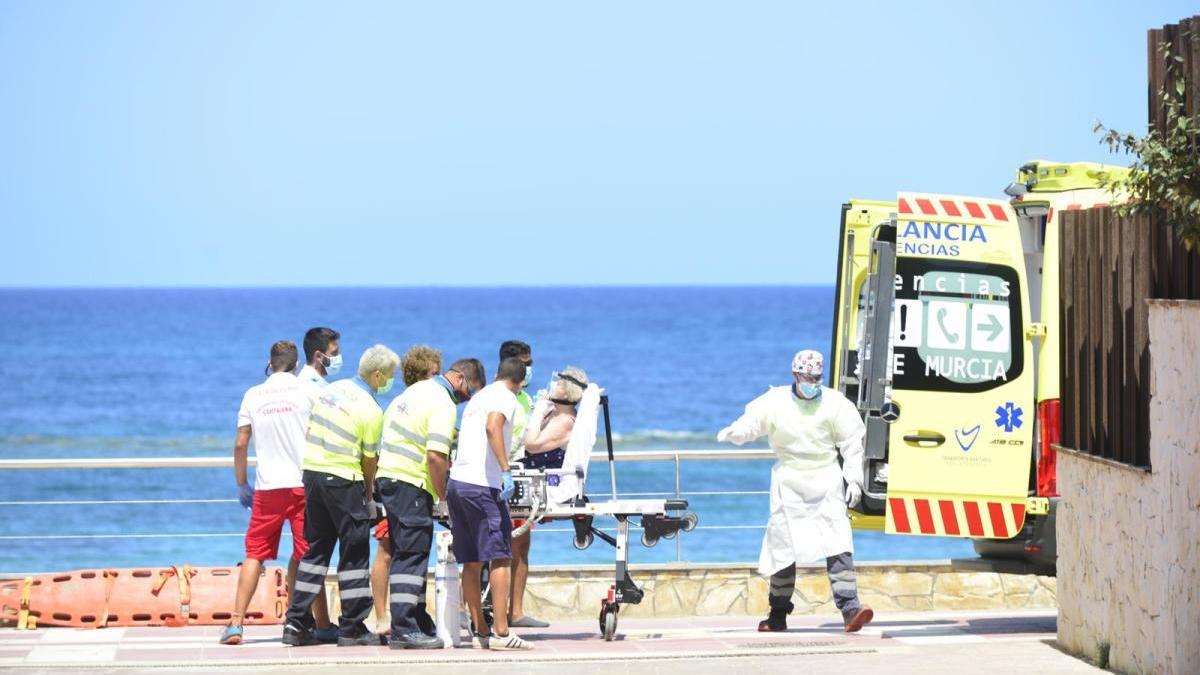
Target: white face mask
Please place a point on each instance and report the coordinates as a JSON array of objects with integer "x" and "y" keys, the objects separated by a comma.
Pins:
[{"x": 334, "y": 365}]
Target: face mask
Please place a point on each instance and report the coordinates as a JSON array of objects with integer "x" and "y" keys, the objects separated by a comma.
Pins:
[
  {"x": 332, "y": 365},
  {"x": 387, "y": 386},
  {"x": 810, "y": 391},
  {"x": 528, "y": 376}
]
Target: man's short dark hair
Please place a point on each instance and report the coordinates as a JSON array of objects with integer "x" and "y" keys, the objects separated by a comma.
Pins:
[
  {"x": 283, "y": 356},
  {"x": 317, "y": 340},
  {"x": 472, "y": 369},
  {"x": 511, "y": 369},
  {"x": 512, "y": 348}
]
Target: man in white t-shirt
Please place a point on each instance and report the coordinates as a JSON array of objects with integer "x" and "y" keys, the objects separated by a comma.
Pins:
[
  {"x": 276, "y": 414},
  {"x": 477, "y": 497}
]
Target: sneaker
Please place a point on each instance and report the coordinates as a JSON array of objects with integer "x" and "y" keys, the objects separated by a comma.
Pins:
[
  {"x": 367, "y": 639},
  {"x": 529, "y": 622},
  {"x": 776, "y": 621},
  {"x": 479, "y": 640},
  {"x": 298, "y": 637},
  {"x": 507, "y": 643},
  {"x": 862, "y": 617},
  {"x": 232, "y": 635},
  {"x": 326, "y": 636},
  {"x": 415, "y": 640}
]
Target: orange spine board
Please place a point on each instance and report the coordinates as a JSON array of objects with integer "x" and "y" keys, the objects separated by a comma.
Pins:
[{"x": 144, "y": 596}]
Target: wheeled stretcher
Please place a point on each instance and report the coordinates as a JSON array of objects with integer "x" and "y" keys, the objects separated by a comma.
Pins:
[{"x": 558, "y": 494}]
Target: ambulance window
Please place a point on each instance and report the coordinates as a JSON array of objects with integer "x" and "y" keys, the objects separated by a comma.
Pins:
[{"x": 957, "y": 325}]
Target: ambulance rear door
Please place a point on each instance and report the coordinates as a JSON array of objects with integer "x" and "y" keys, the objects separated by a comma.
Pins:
[{"x": 962, "y": 370}]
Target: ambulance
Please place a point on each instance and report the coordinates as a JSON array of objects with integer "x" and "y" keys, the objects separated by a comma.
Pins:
[{"x": 946, "y": 334}]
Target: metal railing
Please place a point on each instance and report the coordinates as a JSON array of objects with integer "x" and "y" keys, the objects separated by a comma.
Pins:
[{"x": 677, "y": 457}]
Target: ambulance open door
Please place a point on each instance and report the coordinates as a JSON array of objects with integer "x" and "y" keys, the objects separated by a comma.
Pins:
[{"x": 961, "y": 371}]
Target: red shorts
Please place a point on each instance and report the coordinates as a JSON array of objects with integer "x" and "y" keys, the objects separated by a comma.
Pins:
[
  {"x": 271, "y": 509},
  {"x": 517, "y": 522},
  {"x": 381, "y": 530}
]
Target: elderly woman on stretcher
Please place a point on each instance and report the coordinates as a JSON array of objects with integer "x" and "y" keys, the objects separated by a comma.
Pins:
[{"x": 553, "y": 419}]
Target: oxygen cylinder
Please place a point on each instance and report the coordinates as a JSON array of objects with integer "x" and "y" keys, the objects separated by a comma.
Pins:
[{"x": 447, "y": 596}]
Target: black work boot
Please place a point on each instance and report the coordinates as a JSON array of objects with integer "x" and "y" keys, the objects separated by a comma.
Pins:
[{"x": 776, "y": 621}]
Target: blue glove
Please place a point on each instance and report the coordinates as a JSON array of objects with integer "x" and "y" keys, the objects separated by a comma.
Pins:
[
  {"x": 246, "y": 495},
  {"x": 506, "y": 485}
]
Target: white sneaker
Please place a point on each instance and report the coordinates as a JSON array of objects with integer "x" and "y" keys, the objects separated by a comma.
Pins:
[
  {"x": 508, "y": 643},
  {"x": 479, "y": 640}
]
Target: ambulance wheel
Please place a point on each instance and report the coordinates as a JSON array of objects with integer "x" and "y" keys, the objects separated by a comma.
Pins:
[
  {"x": 647, "y": 540},
  {"x": 581, "y": 544},
  {"x": 689, "y": 521},
  {"x": 608, "y": 621}
]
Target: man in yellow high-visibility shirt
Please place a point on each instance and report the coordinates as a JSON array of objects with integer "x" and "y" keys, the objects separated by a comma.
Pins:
[
  {"x": 418, "y": 428},
  {"x": 339, "y": 470}
]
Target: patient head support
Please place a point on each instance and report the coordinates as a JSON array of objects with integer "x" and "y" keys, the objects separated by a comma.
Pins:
[{"x": 568, "y": 385}]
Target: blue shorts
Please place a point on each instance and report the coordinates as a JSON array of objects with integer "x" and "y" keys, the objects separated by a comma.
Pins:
[{"x": 480, "y": 523}]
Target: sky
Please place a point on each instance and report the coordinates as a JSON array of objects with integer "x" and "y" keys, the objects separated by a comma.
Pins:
[{"x": 523, "y": 143}]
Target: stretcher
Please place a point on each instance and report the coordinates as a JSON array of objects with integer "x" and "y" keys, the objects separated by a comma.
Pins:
[{"x": 541, "y": 495}]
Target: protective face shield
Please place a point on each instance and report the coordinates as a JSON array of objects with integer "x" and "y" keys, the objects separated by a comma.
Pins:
[
  {"x": 528, "y": 375},
  {"x": 559, "y": 393}
]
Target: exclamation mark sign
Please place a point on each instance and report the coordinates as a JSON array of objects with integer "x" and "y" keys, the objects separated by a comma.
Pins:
[{"x": 903, "y": 331}]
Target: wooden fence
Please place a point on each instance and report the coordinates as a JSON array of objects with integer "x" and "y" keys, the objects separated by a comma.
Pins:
[{"x": 1110, "y": 266}]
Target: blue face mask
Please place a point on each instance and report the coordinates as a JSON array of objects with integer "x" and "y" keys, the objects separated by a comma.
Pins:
[
  {"x": 810, "y": 391},
  {"x": 387, "y": 386}
]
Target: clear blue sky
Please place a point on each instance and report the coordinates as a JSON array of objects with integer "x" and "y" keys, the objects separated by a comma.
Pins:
[{"x": 235, "y": 143}]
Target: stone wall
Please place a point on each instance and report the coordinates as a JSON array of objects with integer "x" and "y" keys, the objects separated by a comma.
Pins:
[
  {"x": 1129, "y": 541},
  {"x": 717, "y": 590}
]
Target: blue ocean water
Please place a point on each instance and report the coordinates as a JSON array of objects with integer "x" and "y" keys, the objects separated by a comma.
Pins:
[{"x": 161, "y": 372}]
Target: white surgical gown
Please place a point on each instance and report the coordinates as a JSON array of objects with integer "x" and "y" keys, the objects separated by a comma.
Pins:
[{"x": 808, "y": 518}]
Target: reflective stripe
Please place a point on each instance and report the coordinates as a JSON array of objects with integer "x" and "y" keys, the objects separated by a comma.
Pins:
[
  {"x": 310, "y": 568},
  {"x": 353, "y": 574},
  {"x": 319, "y": 441},
  {"x": 372, "y": 448},
  {"x": 404, "y": 599},
  {"x": 849, "y": 575},
  {"x": 411, "y": 579},
  {"x": 412, "y": 436},
  {"x": 309, "y": 588},
  {"x": 401, "y": 450},
  {"x": 321, "y": 421},
  {"x": 353, "y": 593},
  {"x": 438, "y": 438}
]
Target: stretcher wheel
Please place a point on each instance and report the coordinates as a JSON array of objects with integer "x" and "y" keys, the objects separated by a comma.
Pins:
[
  {"x": 608, "y": 621},
  {"x": 670, "y": 534},
  {"x": 647, "y": 540},
  {"x": 690, "y": 520},
  {"x": 581, "y": 544}
]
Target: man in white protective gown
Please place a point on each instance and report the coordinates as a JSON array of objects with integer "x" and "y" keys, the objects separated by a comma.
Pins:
[{"x": 808, "y": 426}]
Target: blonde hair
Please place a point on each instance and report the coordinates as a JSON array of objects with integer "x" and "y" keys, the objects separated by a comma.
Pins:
[
  {"x": 570, "y": 391},
  {"x": 418, "y": 362},
  {"x": 376, "y": 358}
]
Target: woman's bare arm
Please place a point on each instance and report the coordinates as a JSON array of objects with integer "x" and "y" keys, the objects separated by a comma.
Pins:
[{"x": 554, "y": 436}]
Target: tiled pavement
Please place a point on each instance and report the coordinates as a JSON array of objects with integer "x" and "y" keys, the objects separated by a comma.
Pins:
[{"x": 890, "y": 639}]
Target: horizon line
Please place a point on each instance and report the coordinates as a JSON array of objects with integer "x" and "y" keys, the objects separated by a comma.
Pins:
[{"x": 189, "y": 287}]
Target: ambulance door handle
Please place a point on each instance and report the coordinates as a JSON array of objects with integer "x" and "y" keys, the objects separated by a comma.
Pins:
[{"x": 920, "y": 438}]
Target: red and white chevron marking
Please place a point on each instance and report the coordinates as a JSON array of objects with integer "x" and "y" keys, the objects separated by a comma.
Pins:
[{"x": 956, "y": 517}]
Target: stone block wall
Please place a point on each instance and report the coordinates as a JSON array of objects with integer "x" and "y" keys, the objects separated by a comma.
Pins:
[
  {"x": 1129, "y": 541},
  {"x": 737, "y": 589}
]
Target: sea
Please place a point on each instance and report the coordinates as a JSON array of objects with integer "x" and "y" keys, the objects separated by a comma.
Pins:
[{"x": 158, "y": 373}]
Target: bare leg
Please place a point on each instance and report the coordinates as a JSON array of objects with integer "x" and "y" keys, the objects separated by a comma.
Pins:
[
  {"x": 500, "y": 580},
  {"x": 320, "y": 611},
  {"x": 473, "y": 594},
  {"x": 520, "y": 574},
  {"x": 380, "y": 569},
  {"x": 247, "y": 584}
]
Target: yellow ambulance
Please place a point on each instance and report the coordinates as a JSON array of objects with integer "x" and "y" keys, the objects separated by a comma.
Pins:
[{"x": 946, "y": 335}]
